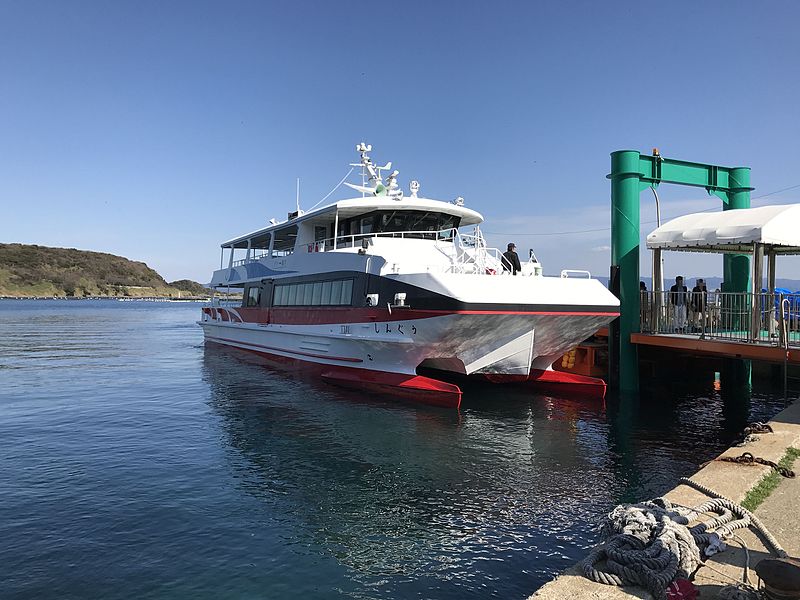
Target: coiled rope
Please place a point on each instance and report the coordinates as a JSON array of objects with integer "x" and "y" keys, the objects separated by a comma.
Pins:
[
  {"x": 769, "y": 540},
  {"x": 650, "y": 544}
]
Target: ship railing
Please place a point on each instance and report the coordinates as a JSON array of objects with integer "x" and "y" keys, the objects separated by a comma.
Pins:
[
  {"x": 467, "y": 253},
  {"x": 253, "y": 258},
  {"x": 225, "y": 302},
  {"x": 760, "y": 317},
  {"x": 354, "y": 240},
  {"x": 474, "y": 256}
]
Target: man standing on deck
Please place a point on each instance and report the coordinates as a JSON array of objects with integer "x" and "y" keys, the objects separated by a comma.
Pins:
[
  {"x": 511, "y": 260},
  {"x": 678, "y": 297}
]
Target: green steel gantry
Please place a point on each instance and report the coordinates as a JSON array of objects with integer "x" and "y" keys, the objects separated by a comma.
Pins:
[{"x": 631, "y": 173}]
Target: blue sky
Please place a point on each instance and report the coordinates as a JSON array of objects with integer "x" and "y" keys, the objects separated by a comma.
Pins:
[{"x": 156, "y": 130}]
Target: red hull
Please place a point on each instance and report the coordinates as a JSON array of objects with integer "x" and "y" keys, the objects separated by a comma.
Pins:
[
  {"x": 412, "y": 387},
  {"x": 557, "y": 382},
  {"x": 428, "y": 390}
]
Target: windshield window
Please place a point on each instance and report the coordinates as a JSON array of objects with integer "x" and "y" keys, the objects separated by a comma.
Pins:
[{"x": 390, "y": 221}]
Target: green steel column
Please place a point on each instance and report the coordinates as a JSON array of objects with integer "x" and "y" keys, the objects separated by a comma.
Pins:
[
  {"x": 625, "y": 254},
  {"x": 736, "y": 267},
  {"x": 736, "y": 274}
]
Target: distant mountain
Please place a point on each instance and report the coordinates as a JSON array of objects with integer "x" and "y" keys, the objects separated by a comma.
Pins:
[
  {"x": 40, "y": 271},
  {"x": 191, "y": 287}
]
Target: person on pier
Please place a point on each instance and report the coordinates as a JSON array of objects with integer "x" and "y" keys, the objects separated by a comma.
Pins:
[
  {"x": 699, "y": 305},
  {"x": 678, "y": 298},
  {"x": 644, "y": 307}
]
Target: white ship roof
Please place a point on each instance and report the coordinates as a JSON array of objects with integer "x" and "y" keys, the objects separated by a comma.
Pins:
[{"x": 357, "y": 206}]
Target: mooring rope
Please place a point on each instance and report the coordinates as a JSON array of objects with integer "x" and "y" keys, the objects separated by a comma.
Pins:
[
  {"x": 758, "y": 427},
  {"x": 649, "y": 544},
  {"x": 747, "y": 458},
  {"x": 772, "y": 544}
]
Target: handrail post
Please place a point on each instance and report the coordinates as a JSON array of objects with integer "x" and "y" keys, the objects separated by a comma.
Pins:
[
  {"x": 782, "y": 333},
  {"x": 758, "y": 276},
  {"x": 657, "y": 283}
]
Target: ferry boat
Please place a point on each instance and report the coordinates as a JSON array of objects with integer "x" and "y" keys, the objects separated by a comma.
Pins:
[{"x": 400, "y": 293}]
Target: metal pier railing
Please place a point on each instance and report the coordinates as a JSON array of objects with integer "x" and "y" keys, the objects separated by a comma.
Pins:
[{"x": 759, "y": 317}]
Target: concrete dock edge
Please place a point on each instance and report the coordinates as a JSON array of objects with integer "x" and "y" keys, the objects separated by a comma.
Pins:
[{"x": 731, "y": 480}]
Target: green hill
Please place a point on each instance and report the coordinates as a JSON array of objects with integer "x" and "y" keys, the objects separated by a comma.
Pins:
[
  {"x": 191, "y": 287},
  {"x": 29, "y": 270}
]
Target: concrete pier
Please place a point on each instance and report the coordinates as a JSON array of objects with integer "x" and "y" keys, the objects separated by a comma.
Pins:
[{"x": 780, "y": 513}]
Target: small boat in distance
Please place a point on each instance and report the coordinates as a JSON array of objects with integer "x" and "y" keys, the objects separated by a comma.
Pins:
[{"x": 384, "y": 290}]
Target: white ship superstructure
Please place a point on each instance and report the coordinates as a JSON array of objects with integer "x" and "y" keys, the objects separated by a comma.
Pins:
[{"x": 371, "y": 291}]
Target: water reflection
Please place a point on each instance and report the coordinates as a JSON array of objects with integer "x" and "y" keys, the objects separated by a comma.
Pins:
[
  {"x": 736, "y": 407},
  {"x": 491, "y": 500},
  {"x": 140, "y": 464},
  {"x": 413, "y": 498}
]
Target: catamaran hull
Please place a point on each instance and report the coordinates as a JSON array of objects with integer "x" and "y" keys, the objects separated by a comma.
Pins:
[{"x": 386, "y": 351}]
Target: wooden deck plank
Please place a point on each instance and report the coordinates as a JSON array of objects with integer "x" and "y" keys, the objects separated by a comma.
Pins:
[{"x": 723, "y": 348}]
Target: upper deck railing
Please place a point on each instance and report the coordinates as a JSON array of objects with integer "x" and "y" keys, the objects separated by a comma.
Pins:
[
  {"x": 759, "y": 317},
  {"x": 467, "y": 253}
]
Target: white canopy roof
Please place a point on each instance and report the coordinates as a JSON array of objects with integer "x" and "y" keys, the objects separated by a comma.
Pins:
[
  {"x": 732, "y": 230},
  {"x": 358, "y": 206}
]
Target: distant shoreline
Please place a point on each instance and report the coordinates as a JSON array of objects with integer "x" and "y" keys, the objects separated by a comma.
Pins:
[
  {"x": 118, "y": 298},
  {"x": 29, "y": 271}
]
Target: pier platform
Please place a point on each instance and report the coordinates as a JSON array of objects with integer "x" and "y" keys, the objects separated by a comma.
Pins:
[
  {"x": 725, "y": 348},
  {"x": 780, "y": 513}
]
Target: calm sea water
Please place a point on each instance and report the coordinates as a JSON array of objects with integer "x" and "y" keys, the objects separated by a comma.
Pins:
[{"x": 137, "y": 463}]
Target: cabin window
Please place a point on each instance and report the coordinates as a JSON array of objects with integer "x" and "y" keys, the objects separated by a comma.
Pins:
[
  {"x": 326, "y": 293},
  {"x": 292, "y": 296},
  {"x": 346, "y": 297},
  {"x": 280, "y": 294},
  {"x": 254, "y": 296},
  {"x": 319, "y": 293},
  {"x": 394, "y": 221},
  {"x": 308, "y": 289},
  {"x": 366, "y": 224},
  {"x": 316, "y": 298},
  {"x": 336, "y": 292}
]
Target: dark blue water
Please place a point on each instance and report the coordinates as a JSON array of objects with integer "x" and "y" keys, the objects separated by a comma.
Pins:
[{"x": 135, "y": 463}]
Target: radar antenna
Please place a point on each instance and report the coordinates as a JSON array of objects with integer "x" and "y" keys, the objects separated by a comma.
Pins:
[{"x": 371, "y": 178}]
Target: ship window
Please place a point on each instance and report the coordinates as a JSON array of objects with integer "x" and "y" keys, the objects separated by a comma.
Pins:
[
  {"x": 304, "y": 297},
  {"x": 424, "y": 222},
  {"x": 320, "y": 293},
  {"x": 336, "y": 292},
  {"x": 346, "y": 296},
  {"x": 316, "y": 298},
  {"x": 280, "y": 295},
  {"x": 326, "y": 293},
  {"x": 391, "y": 221},
  {"x": 449, "y": 222},
  {"x": 292, "y": 299},
  {"x": 254, "y": 296}
]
